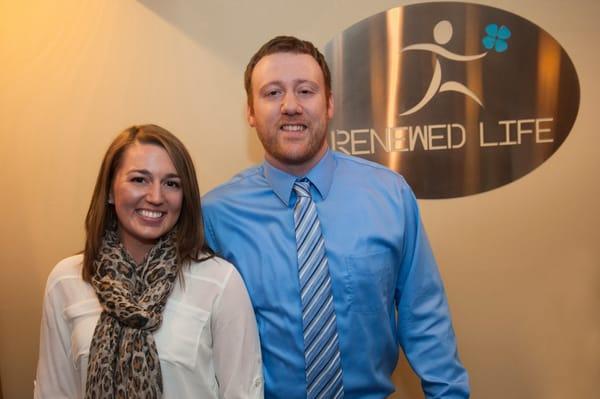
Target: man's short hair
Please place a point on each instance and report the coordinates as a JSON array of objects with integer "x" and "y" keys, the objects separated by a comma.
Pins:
[{"x": 286, "y": 44}]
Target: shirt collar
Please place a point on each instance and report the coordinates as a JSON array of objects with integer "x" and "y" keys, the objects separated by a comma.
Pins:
[{"x": 321, "y": 176}]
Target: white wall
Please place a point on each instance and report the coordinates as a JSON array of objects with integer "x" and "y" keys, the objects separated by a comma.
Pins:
[{"x": 521, "y": 263}]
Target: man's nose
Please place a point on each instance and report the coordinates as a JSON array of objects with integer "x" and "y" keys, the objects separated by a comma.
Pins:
[{"x": 290, "y": 105}]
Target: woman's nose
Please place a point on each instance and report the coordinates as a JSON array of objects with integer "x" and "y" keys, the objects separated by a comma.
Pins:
[{"x": 155, "y": 193}]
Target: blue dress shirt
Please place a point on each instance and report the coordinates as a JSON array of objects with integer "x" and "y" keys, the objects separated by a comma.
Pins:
[{"x": 386, "y": 286}]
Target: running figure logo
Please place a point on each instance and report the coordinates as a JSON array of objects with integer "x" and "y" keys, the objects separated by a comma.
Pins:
[{"x": 442, "y": 33}]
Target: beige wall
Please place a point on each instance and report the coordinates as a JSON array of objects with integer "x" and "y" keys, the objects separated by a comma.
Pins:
[{"x": 521, "y": 263}]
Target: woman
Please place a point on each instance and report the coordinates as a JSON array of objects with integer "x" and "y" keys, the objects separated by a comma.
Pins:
[{"x": 147, "y": 311}]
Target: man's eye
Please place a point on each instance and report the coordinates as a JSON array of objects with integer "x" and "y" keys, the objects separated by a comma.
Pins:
[
  {"x": 272, "y": 93},
  {"x": 305, "y": 91}
]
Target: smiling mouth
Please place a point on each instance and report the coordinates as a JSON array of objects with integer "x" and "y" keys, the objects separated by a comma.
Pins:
[
  {"x": 150, "y": 214},
  {"x": 293, "y": 127}
]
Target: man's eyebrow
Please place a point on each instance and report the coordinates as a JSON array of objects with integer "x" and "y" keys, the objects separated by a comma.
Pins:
[
  {"x": 305, "y": 81},
  {"x": 272, "y": 82},
  {"x": 295, "y": 82}
]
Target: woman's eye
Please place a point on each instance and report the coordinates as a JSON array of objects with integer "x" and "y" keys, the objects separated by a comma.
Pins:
[
  {"x": 173, "y": 184},
  {"x": 138, "y": 179}
]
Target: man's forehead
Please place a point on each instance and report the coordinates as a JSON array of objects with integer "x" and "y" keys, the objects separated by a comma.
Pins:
[{"x": 287, "y": 67}]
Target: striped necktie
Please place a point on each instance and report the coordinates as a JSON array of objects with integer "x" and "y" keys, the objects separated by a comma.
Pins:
[{"x": 321, "y": 348}]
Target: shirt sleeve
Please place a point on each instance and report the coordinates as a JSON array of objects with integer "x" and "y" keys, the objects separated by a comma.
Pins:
[
  {"x": 425, "y": 327},
  {"x": 56, "y": 377},
  {"x": 209, "y": 235},
  {"x": 236, "y": 346}
]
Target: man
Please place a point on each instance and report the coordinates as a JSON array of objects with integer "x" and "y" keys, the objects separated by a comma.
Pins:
[{"x": 331, "y": 248}]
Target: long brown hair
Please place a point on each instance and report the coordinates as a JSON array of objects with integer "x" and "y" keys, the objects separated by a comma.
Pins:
[{"x": 190, "y": 242}]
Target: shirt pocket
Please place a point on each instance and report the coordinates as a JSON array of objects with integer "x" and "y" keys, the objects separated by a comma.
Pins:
[
  {"x": 369, "y": 281},
  {"x": 179, "y": 338},
  {"x": 82, "y": 317}
]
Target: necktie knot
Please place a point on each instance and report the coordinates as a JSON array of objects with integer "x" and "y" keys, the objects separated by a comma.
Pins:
[{"x": 302, "y": 188}]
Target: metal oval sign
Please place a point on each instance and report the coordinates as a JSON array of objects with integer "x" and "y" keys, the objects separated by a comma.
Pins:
[{"x": 459, "y": 98}]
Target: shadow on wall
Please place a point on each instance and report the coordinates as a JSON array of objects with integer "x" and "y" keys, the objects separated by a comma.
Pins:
[
  {"x": 407, "y": 383},
  {"x": 254, "y": 148},
  {"x": 221, "y": 26}
]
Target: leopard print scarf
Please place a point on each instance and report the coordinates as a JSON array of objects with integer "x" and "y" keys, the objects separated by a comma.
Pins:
[{"x": 123, "y": 361}]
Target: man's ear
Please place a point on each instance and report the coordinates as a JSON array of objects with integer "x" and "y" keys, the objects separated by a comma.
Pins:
[
  {"x": 330, "y": 106},
  {"x": 250, "y": 115}
]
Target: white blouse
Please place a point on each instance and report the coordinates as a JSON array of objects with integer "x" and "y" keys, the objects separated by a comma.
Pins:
[{"x": 207, "y": 344}]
